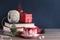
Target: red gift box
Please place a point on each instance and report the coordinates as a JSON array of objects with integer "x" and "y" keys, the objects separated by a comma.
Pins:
[{"x": 26, "y": 18}]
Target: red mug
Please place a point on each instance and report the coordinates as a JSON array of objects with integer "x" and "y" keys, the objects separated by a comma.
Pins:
[{"x": 30, "y": 32}]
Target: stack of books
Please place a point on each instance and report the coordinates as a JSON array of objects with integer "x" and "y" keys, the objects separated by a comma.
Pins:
[{"x": 19, "y": 26}]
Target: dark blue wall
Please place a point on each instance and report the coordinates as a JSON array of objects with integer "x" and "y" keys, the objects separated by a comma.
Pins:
[{"x": 45, "y": 12}]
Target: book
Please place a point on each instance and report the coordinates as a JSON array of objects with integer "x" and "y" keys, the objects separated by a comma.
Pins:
[
  {"x": 8, "y": 29},
  {"x": 27, "y": 25}
]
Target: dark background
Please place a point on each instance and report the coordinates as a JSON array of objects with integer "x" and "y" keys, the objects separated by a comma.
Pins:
[{"x": 46, "y": 13}]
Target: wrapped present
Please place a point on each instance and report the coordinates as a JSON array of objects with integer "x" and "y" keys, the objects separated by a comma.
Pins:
[{"x": 26, "y": 18}]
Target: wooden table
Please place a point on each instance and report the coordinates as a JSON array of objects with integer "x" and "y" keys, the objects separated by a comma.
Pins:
[{"x": 50, "y": 34}]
